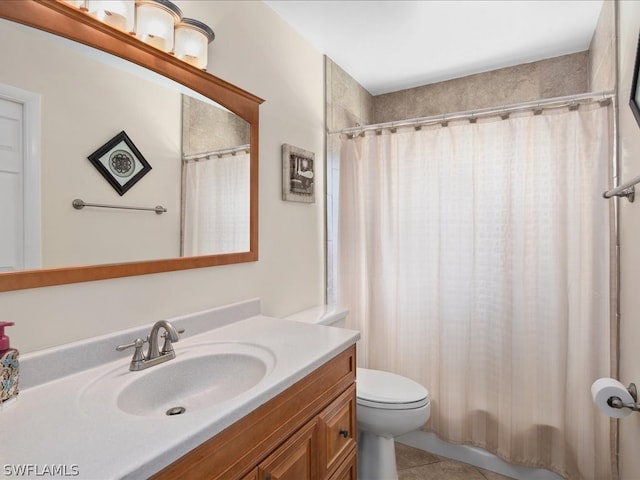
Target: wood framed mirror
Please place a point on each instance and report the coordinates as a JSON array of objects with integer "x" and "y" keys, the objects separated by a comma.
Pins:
[{"x": 63, "y": 20}]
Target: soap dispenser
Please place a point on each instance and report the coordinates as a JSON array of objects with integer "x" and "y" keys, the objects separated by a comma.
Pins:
[{"x": 8, "y": 367}]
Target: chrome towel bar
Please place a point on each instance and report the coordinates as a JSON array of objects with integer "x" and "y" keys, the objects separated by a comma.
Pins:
[
  {"x": 626, "y": 190},
  {"x": 79, "y": 204}
]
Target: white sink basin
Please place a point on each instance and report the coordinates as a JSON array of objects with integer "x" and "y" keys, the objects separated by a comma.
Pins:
[{"x": 200, "y": 376}]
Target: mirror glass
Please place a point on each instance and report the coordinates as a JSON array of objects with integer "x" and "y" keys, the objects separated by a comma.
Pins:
[
  {"x": 199, "y": 153},
  {"x": 216, "y": 179}
]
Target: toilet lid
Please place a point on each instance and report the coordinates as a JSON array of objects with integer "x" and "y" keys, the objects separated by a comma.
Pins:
[{"x": 380, "y": 389}]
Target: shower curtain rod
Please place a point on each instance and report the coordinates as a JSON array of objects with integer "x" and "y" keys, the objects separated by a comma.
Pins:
[
  {"x": 472, "y": 115},
  {"x": 216, "y": 153}
]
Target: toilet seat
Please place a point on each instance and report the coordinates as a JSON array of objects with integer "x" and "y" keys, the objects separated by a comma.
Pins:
[{"x": 388, "y": 391}]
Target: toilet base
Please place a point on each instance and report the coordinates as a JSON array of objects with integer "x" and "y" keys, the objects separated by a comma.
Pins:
[{"x": 376, "y": 457}]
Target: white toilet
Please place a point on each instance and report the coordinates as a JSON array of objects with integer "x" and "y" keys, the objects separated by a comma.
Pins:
[{"x": 388, "y": 405}]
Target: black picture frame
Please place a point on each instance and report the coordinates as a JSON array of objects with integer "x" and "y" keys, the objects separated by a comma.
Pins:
[
  {"x": 634, "y": 100},
  {"x": 120, "y": 162}
]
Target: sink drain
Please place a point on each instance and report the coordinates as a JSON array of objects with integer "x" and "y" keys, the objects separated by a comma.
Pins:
[{"x": 176, "y": 411}]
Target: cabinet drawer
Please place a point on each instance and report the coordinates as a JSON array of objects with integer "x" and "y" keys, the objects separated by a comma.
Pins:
[
  {"x": 252, "y": 476},
  {"x": 348, "y": 470},
  {"x": 337, "y": 431}
]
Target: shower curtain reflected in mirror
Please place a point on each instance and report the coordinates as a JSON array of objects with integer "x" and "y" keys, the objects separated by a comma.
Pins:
[
  {"x": 475, "y": 259},
  {"x": 216, "y": 204}
]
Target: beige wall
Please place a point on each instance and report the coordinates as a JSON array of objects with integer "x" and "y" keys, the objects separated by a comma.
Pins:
[
  {"x": 257, "y": 51},
  {"x": 629, "y": 148}
]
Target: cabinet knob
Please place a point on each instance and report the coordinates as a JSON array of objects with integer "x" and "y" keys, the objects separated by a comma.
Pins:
[{"x": 344, "y": 433}]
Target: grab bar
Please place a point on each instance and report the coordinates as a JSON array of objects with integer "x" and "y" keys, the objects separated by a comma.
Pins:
[
  {"x": 627, "y": 190},
  {"x": 79, "y": 204}
]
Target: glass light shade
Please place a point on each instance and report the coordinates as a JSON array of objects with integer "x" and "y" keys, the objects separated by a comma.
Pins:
[
  {"x": 192, "y": 39},
  {"x": 117, "y": 13},
  {"x": 155, "y": 22},
  {"x": 82, "y": 4}
]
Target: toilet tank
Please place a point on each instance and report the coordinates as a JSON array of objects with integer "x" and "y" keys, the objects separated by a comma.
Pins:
[{"x": 333, "y": 315}]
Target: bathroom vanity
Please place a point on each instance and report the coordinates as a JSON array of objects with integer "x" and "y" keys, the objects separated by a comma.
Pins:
[
  {"x": 307, "y": 432},
  {"x": 264, "y": 398}
]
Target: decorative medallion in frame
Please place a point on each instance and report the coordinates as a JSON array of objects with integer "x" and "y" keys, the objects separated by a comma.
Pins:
[{"x": 120, "y": 163}]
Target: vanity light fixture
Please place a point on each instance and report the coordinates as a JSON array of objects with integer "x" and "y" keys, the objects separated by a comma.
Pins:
[
  {"x": 119, "y": 14},
  {"x": 156, "y": 21},
  {"x": 81, "y": 4},
  {"x": 192, "y": 39}
]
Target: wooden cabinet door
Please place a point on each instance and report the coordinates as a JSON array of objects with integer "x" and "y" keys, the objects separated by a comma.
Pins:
[
  {"x": 337, "y": 432},
  {"x": 295, "y": 459}
]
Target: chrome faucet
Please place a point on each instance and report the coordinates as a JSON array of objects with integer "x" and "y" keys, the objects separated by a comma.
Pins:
[
  {"x": 171, "y": 335},
  {"x": 154, "y": 356}
]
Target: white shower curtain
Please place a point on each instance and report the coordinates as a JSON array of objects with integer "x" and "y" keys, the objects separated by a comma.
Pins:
[
  {"x": 216, "y": 206},
  {"x": 474, "y": 258}
]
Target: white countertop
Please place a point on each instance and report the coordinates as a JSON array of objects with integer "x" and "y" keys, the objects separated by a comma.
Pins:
[{"x": 47, "y": 431}]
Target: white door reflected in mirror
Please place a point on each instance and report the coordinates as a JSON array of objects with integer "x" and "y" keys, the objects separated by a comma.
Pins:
[{"x": 20, "y": 241}]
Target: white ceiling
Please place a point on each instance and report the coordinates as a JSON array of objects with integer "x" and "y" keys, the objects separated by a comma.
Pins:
[{"x": 392, "y": 45}]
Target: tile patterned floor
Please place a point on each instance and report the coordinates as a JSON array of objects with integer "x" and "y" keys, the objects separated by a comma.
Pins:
[{"x": 415, "y": 464}]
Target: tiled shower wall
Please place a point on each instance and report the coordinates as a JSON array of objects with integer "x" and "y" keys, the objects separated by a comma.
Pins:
[
  {"x": 553, "y": 77},
  {"x": 208, "y": 128},
  {"x": 602, "y": 51},
  {"x": 348, "y": 104}
]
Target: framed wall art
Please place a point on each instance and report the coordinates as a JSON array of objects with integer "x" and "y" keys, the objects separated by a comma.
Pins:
[
  {"x": 298, "y": 174},
  {"x": 120, "y": 163},
  {"x": 634, "y": 101}
]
